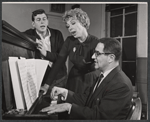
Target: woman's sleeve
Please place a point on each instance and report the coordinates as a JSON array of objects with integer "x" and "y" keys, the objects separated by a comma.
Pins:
[
  {"x": 60, "y": 60},
  {"x": 65, "y": 49}
]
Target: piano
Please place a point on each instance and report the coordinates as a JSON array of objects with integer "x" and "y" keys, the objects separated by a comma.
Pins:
[{"x": 15, "y": 43}]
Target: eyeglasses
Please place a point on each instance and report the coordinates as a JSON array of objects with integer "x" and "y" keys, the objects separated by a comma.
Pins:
[{"x": 97, "y": 53}]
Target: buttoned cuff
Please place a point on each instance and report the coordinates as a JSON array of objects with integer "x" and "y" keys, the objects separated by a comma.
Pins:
[
  {"x": 64, "y": 95},
  {"x": 70, "y": 106},
  {"x": 46, "y": 86}
]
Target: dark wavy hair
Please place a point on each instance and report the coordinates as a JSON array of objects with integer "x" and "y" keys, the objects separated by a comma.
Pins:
[{"x": 36, "y": 12}]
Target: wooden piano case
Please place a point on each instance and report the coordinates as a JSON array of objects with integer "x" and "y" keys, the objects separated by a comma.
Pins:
[{"x": 15, "y": 43}]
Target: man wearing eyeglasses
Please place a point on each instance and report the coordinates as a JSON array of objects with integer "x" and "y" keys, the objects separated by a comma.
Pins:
[{"x": 110, "y": 96}]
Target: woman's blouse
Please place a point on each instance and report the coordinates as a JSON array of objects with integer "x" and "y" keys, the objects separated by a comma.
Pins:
[{"x": 79, "y": 54}]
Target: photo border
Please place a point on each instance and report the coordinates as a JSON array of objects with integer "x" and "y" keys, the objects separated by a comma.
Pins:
[{"x": 148, "y": 72}]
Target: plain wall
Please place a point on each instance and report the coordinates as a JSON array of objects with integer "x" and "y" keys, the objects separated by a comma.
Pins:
[
  {"x": 142, "y": 56},
  {"x": 95, "y": 13},
  {"x": 142, "y": 33}
]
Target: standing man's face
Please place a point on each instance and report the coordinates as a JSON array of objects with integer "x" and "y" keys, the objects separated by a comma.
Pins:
[{"x": 40, "y": 23}]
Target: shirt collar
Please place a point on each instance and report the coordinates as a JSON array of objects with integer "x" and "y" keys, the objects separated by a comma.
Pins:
[
  {"x": 107, "y": 72},
  {"x": 49, "y": 34}
]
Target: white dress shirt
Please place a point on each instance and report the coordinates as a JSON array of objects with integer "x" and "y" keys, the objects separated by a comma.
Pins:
[
  {"x": 104, "y": 74},
  {"x": 46, "y": 42}
]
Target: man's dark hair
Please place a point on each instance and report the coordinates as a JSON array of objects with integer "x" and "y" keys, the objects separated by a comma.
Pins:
[
  {"x": 113, "y": 46},
  {"x": 36, "y": 12}
]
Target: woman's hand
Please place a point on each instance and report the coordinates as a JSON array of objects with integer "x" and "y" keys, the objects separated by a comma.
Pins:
[{"x": 44, "y": 88}]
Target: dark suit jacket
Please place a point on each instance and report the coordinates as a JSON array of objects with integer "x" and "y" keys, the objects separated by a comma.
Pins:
[
  {"x": 56, "y": 40},
  {"x": 111, "y": 101}
]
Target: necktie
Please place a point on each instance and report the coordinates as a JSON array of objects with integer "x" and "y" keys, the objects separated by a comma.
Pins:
[{"x": 98, "y": 81}]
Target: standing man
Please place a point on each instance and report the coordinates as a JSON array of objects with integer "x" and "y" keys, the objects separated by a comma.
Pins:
[
  {"x": 110, "y": 96},
  {"x": 49, "y": 42}
]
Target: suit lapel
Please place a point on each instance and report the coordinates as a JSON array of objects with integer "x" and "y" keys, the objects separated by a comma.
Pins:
[
  {"x": 36, "y": 35},
  {"x": 91, "y": 90},
  {"x": 52, "y": 39},
  {"x": 103, "y": 85}
]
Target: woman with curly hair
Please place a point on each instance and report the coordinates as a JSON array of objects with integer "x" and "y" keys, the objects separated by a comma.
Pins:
[{"x": 79, "y": 47}]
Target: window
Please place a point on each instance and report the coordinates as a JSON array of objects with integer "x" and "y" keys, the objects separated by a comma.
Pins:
[
  {"x": 58, "y": 8},
  {"x": 122, "y": 25}
]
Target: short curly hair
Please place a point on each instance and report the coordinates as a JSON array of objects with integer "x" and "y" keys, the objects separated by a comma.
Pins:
[{"x": 78, "y": 14}]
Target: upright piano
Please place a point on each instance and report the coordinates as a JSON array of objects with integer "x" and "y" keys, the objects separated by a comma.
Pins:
[{"x": 14, "y": 43}]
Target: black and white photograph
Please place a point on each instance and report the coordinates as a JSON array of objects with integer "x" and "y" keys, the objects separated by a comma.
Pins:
[{"x": 74, "y": 61}]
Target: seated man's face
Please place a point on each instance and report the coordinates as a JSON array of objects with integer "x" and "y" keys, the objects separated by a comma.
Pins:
[
  {"x": 101, "y": 60},
  {"x": 40, "y": 23}
]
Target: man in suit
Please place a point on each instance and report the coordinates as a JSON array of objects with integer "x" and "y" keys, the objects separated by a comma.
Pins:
[
  {"x": 109, "y": 99},
  {"x": 49, "y": 42}
]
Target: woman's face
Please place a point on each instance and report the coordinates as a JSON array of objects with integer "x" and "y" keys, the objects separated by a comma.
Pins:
[{"x": 75, "y": 28}]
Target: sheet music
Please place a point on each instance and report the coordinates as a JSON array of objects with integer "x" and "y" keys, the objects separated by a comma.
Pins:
[
  {"x": 31, "y": 72},
  {"x": 24, "y": 80},
  {"x": 27, "y": 76},
  {"x": 32, "y": 79},
  {"x": 16, "y": 83},
  {"x": 41, "y": 66}
]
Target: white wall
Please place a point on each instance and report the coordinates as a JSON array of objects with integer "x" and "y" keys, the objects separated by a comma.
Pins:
[
  {"x": 19, "y": 15},
  {"x": 142, "y": 39},
  {"x": 94, "y": 12}
]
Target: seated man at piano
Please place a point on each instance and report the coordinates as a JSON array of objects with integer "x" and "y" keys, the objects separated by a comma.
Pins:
[
  {"x": 49, "y": 43},
  {"x": 110, "y": 96}
]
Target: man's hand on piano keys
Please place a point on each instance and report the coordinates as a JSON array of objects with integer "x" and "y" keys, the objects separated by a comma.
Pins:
[
  {"x": 57, "y": 91},
  {"x": 57, "y": 108}
]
